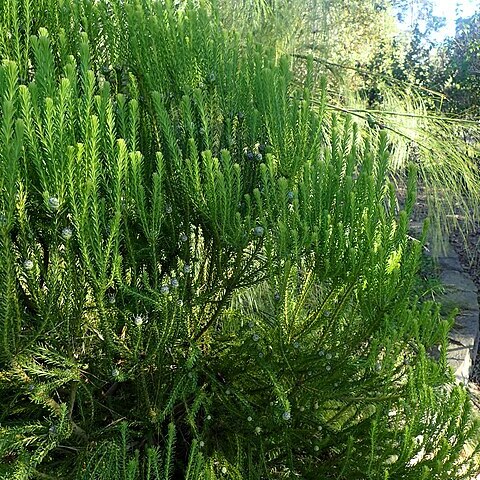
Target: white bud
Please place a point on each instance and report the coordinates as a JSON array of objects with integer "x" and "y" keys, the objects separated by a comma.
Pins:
[
  {"x": 201, "y": 443},
  {"x": 258, "y": 430},
  {"x": 224, "y": 469},
  {"x": 168, "y": 209},
  {"x": 174, "y": 282},
  {"x": 255, "y": 337},
  {"x": 183, "y": 237},
  {"x": 286, "y": 415},
  {"x": 180, "y": 303},
  {"x": 249, "y": 419},
  {"x": 54, "y": 203},
  {"x": 27, "y": 264},
  {"x": 115, "y": 372},
  {"x": 187, "y": 268},
  {"x": 138, "y": 320},
  {"x": 316, "y": 448},
  {"x": 67, "y": 233},
  {"x": 258, "y": 231},
  {"x": 164, "y": 289}
]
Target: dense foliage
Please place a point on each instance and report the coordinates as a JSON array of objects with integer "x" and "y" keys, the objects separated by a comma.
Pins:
[
  {"x": 458, "y": 71},
  {"x": 203, "y": 274}
]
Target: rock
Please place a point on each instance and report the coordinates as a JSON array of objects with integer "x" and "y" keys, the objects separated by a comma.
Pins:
[{"x": 459, "y": 281}]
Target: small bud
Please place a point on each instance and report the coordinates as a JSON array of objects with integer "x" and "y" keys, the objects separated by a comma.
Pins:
[
  {"x": 249, "y": 155},
  {"x": 209, "y": 417},
  {"x": 164, "y": 289},
  {"x": 67, "y": 233},
  {"x": 115, "y": 372},
  {"x": 224, "y": 469},
  {"x": 276, "y": 297},
  {"x": 328, "y": 368},
  {"x": 290, "y": 196},
  {"x": 296, "y": 344},
  {"x": 391, "y": 459},
  {"x": 302, "y": 409},
  {"x": 286, "y": 415},
  {"x": 111, "y": 298},
  {"x": 249, "y": 419},
  {"x": 183, "y": 237},
  {"x": 52, "y": 429},
  {"x": 258, "y": 231},
  {"x": 138, "y": 320},
  {"x": 174, "y": 283},
  {"x": 328, "y": 356},
  {"x": 201, "y": 443},
  {"x": 168, "y": 209},
  {"x": 316, "y": 448},
  {"x": 258, "y": 430},
  {"x": 54, "y": 203},
  {"x": 255, "y": 337},
  {"x": 27, "y": 264},
  {"x": 187, "y": 268},
  {"x": 211, "y": 78},
  {"x": 180, "y": 302},
  {"x": 259, "y": 157}
]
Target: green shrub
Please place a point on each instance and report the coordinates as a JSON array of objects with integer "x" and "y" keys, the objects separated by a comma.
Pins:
[{"x": 195, "y": 284}]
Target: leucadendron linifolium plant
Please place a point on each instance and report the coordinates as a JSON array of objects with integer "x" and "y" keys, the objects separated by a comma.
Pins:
[{"x": 140, "y": 215}]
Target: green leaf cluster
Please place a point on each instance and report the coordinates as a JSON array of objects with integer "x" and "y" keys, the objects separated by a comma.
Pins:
[{"x": 201, "y": 277}]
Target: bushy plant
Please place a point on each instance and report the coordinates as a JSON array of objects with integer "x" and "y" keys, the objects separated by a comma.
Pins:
[{"x": 195, "y": 282}]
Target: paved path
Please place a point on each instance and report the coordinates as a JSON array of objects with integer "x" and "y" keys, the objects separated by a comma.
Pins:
[{"x": 460, "y": 293}]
